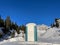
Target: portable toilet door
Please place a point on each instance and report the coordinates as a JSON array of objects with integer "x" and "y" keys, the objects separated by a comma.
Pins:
[{"x": 31, "y": 32}]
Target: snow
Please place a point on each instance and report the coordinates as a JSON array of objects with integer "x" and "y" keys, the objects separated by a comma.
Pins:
[
  {"x": 16, "y": 39},
  {"x": 27, "y": 43},
  {"x": 50, "y": 36},
  {"x": 49, "y": 33}
]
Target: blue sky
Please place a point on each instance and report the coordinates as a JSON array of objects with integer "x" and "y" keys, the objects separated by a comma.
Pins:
[{"x": 26, "y": 11}]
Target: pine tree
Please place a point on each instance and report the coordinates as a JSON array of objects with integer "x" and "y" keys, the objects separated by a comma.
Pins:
[
  {"x": 57, "y": 24},
  {"x": 13, "y": 26},
  {"x": 1, "y": 22},
  {"x": 23, "y": 28},
  {"x": 17, "y": 28},
  {"x": 7, "y": 24}
]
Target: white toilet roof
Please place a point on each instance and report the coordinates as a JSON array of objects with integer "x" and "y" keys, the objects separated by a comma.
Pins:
[{"x": 31, "y": 24}]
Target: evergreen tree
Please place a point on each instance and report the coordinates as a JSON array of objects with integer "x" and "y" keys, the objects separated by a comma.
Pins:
[
  {"x": 13, "y": 26},
  {"x": 1, "y": 22},
  {"x": 17, "y": 28},
  {"x": 23, "y": 28},
  {"x": 16, "y": 25},
  {"x": 57, "y": 24},
  {"x": 7, "y": 24},
  {"x": 55, "y": 19}
]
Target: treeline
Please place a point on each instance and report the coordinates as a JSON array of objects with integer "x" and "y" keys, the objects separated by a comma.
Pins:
[
  {"x": 56, "y": 23},
  {"x": 8, "y": 25}
]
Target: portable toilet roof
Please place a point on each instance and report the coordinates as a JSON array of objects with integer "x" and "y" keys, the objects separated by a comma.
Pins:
[{"x": 31, "y": 24}]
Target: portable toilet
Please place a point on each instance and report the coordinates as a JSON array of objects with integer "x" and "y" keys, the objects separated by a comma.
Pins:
[{"x": 31, "y": 32}]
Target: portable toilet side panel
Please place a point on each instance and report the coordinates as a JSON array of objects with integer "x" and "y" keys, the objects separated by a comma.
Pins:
[
  {"x": 35, "y": 33},
  {"x": 31, "y": 32}
]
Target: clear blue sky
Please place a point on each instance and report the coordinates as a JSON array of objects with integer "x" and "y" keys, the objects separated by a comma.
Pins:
[{"x": 25, "y": 11}]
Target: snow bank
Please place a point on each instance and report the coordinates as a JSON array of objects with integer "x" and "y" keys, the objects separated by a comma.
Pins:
[
  {"x": 27, "y": 43},
  {"x": 16, "y": 39},
  {"x": 49, "y": 33}
]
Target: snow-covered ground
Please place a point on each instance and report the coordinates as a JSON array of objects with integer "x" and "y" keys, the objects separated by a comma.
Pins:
[
  {"x": 27, "y": 43},
  {"x": 52, "y": 35},
  {"x": 45, "y": 37}
]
